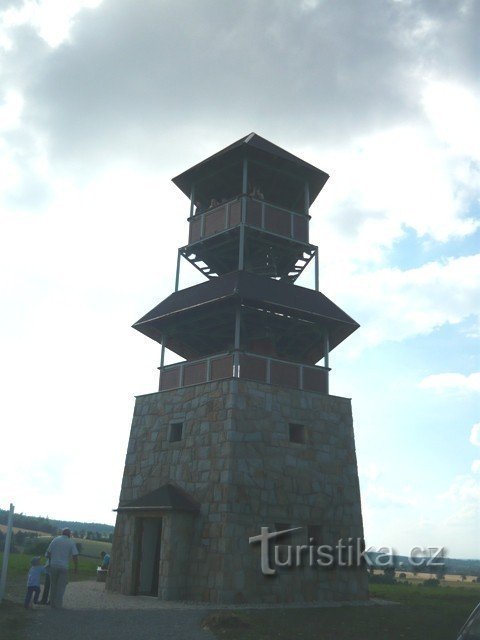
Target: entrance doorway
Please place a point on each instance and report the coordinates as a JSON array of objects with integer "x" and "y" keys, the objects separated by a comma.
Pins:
[{"x": 149, "y": 543}]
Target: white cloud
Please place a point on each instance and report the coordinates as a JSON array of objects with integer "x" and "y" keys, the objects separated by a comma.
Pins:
[
  {"x": 94, "y": 129},
  {"x": 370, "y": 471},
  {"x": 464, "y": 489},
  {"x": 52, "y": 19},
  {"x": 464, "y": 497},
  {"x": 375, "y": 495},
  {"x": 476, "y": 466},
  {"x": 454, "y": 112},
  {"x": 475, "y": 434},
  {"x": 392, "y": 304},
  {"x": 452, "y": 382}
]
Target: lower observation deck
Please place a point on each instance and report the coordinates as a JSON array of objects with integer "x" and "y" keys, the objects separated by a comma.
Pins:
[{"x": 247, "y": 366}]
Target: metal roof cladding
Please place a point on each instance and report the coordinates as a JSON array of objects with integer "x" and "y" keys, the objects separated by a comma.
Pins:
[
  {"x": 254, "y": 289},
  {"x": 254, "y": 147}
]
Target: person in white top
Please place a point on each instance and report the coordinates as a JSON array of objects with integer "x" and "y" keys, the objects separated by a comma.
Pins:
[{"x": 60, "y": 550}]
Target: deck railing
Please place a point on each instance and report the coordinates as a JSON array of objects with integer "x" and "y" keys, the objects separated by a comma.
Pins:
[
  {"x": 246, "y": 366},
  {"x": 253, "y": 212}
]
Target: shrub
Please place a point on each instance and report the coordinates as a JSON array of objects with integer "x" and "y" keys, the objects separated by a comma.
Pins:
[
  {"x": 431, "y": 582},
  {"x": 379, "y": 579}
]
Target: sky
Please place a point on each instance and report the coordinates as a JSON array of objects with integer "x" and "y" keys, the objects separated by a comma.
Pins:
[{"x": 103, "y": 102}]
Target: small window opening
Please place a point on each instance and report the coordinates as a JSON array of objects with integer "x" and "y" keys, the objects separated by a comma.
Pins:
[
  {"x": 296, "y": 433},
  {"x": 176, "y": 429}
]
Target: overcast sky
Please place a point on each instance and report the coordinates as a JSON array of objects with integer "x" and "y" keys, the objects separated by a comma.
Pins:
[{"x": 102, "y": 103}]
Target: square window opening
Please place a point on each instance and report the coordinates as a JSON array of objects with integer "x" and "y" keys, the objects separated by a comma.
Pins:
[
  {"x": 176, "y": 432},
  {"x": 296, "y": 433}
]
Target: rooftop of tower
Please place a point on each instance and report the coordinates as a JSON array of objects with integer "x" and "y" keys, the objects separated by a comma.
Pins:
[{"x": 273, "y": 161}]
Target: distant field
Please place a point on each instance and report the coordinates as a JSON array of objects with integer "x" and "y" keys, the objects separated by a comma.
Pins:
[
  {"x": 90, "y": 548},
  {"x": 3, "y": 529},
  {"x": 451, "y": 579},
  {"x": 19, "y": 564}
]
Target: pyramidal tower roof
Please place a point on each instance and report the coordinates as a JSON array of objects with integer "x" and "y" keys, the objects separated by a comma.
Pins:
[{"x": 258, "y": 149}]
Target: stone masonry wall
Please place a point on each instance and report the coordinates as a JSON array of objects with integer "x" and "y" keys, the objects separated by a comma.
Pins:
[{"x": 236, "y": 460}]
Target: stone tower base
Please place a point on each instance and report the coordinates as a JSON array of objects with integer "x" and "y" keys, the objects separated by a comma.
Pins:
[{"x": 207, "y": 466}]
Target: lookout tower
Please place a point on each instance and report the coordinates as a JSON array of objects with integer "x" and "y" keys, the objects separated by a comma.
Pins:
[{"x": 243, "y": 432}]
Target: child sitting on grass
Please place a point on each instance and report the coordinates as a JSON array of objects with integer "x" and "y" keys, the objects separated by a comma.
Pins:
[{"x": 33, "y": 582}]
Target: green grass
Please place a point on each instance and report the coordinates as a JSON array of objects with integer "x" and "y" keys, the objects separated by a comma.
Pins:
[
  {"x": 89, "y": 547},
  {"x": 422, "y": 612},
  {"x": 19, "y": 564}
]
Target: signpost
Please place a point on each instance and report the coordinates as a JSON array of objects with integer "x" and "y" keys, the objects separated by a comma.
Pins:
[{"x": 6, "y": 552}]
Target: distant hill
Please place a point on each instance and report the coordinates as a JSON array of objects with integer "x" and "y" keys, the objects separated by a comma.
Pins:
[
  {"x": 452, "y": 565},
  {"x": 93, "y": 530}
]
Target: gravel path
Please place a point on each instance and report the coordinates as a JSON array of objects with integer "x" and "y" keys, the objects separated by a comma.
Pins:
[{"x": 90, "y": 613}]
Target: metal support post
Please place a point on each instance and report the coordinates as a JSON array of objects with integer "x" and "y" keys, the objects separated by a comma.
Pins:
[
  {"x": 192, "y": 200},
  {"x": 241, "y": 248},
  {"x": 316, "y": 270},
  {"x": 245, "y": 177},
  {"x": 177, "y": 275},
  {"x": 236, "y": 341},
  {"x": 326, "y": 349},
  {"x": 307, "y": 198},
  {"x": 162, "y": 353}
]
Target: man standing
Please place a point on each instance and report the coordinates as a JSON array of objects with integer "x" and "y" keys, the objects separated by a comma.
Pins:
[{"x": 59, "y": 552}]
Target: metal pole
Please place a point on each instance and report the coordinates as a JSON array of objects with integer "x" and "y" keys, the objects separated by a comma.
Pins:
[
  {"x": 241, "y": 248},
  {"x": 245, "y": 177},
  {"x": 307, "y": 198},
  {"x": 6, "y": 552},
  {"x": 192, "y": 199},
  {"x": 316, "y": 270},
  {"x": 236, "y": 343},
  {"x": 162, "y": 354},
  {"x": 177, "y": 275},
  {"x": 326, "y": 349}
]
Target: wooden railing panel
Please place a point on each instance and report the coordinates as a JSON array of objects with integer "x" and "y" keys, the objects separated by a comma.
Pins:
[
  {"x": 214, "y": 221},
  {"x": 253, "y": 368},
  {"x": 284, "y": 374},
  {"x": 195, "y": 373},
  {"x": 170, "y": 378},
  {"x": 221, "y": 368}
]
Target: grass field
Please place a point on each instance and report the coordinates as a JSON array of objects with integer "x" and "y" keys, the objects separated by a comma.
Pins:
[
  {"x": 436, "y": 613},
  {"x": 91, "y": 548}
]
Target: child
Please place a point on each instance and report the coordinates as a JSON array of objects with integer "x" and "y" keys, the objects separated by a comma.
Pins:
[{"x": 33, "y": 582}]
